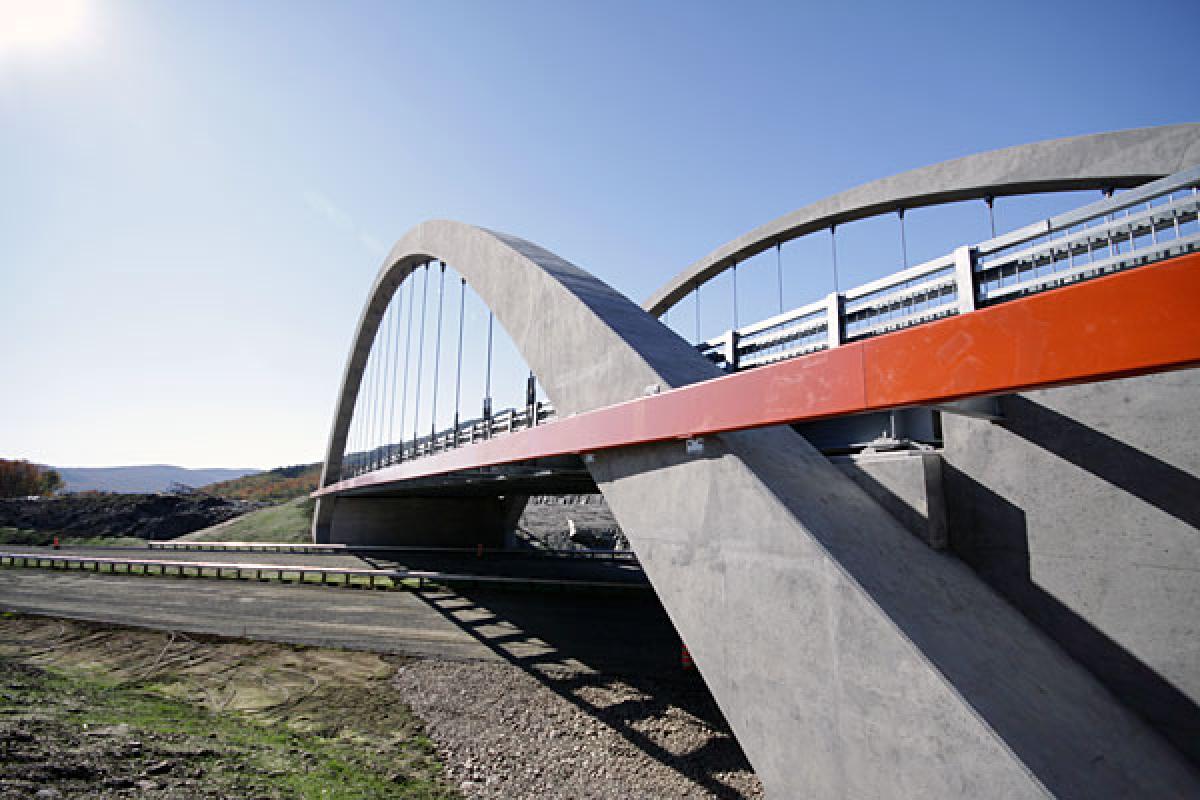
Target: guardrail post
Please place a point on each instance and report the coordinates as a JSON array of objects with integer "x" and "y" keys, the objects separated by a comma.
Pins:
[
  {"x": 833, "y": 319},
  {"x": 964, "y": 278}
]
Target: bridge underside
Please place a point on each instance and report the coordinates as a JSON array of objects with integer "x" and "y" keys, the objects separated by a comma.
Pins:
[
  {"x": 464, "y": 509},
  {"x": 550, "y": 476}
]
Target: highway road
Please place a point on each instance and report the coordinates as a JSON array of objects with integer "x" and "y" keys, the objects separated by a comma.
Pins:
[{"x": 600, "y": 631}]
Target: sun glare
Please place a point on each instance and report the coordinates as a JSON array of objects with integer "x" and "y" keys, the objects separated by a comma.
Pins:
[{"x": 37, "y": 24}]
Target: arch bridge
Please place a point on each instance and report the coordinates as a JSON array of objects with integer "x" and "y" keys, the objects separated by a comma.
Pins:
[{"x": 1035, "y": 636}]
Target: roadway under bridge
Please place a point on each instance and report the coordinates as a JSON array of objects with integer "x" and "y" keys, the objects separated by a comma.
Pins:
[{"x": 932, "y": 536}]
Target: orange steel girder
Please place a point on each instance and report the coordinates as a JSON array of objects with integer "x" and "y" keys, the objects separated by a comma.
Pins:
[{"x": 1132, "y": 323}]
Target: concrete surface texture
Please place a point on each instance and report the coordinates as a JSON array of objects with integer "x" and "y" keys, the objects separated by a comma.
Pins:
[
  {"x": 1100, "y": 161},
  {"x": 850, "y": 659},
  {"x": 908, "y": 484},
  {"x": 1082, "y": 507}
]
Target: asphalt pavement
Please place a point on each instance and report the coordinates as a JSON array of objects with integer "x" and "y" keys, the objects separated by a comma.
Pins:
[{"x": 603, "y": 631}]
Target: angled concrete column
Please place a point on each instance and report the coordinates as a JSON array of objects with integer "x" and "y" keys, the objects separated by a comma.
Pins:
[{"x": 851, "y": 659}]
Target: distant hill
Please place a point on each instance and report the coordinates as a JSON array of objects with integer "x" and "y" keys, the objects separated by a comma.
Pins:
[
  {"x": 142, "y": 479},
  {"x": 273, "y": 486}
]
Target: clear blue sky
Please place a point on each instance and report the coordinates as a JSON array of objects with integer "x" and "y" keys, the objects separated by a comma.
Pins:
[{"x": 196, "y": 196}]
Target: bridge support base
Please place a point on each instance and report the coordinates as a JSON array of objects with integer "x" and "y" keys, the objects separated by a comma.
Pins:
[{"x": 417, "y": 521}]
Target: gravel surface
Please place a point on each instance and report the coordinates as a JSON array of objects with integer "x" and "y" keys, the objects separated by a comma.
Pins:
[{"x": 547, "y": 733}]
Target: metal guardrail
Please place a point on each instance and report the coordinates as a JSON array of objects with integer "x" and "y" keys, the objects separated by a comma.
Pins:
[
  {"x": 303, "y": 573},
  {"x": 1150, "y": 223},
  {"x": 343, "y": 549}
]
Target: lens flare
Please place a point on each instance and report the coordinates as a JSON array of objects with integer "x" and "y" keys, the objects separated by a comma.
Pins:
[{"x": 38, "y": 24}]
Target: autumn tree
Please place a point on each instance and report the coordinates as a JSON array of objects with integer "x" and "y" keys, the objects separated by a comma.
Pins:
[{"x": 19, "y": 478}]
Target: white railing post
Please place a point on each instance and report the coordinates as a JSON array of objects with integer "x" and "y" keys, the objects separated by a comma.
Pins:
[
  {"x": 833, "y": 319},
  {"x": 964, "y": 278}
]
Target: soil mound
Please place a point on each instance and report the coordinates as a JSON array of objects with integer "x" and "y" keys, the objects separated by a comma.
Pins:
[{"x": 145, "y": 516}]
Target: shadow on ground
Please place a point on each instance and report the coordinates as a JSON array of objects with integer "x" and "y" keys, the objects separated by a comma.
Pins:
[{"x": 574, "y": 641}]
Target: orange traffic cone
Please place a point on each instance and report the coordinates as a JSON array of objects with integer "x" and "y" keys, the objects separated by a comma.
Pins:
[{"x": 685, "y": 658}]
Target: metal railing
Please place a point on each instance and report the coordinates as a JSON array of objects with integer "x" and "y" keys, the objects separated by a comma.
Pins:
[
  {"x": 1153, "y": 222},
  {"x": 509, "y": 420},
  {"x": 582, "y": 554}
]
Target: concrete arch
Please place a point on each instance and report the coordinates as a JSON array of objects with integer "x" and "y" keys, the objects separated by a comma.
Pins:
[
  {"x": 849, "y": 658},
  {"x": 589, "y": 345},
  {"x": 1117, "y": 160}
]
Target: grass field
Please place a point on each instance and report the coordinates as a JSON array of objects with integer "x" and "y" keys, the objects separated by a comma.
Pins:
[
  {"x": 287, "y": 522},
  {"x": 40, "y": 538}
]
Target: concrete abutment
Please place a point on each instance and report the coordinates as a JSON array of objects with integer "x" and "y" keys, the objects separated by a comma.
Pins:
[{"x": 422, "y": 521}]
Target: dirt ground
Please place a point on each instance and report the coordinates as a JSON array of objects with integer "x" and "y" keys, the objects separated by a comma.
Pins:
[
  {"x": 98, "y": 711},
  {"x": 94, "y": 711}
]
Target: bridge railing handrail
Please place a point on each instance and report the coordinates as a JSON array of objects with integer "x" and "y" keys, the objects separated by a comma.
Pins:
[
  {"x": 468, "y": 432},
  {"x": 958, "y": 282},
  {"x": 1184, "y": 179}
]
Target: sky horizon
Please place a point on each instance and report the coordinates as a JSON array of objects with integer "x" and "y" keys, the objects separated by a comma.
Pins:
[{"x": 197, "y": 197}]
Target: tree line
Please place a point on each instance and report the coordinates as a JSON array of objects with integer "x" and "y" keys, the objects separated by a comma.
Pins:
[{"x": 19, "y": 478}]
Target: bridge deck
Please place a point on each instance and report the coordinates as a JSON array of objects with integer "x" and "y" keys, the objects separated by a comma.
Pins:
[{"x": 1129, "y": 323}]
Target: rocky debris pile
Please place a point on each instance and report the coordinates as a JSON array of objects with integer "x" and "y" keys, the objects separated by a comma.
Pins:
[
  {"x": 504, "y": 732},
  {"x": 145, "y": 516},
  {"x": 571, "y": 521}
]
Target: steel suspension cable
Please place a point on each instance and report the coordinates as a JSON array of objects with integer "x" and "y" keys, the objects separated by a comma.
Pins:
[
  {"x": 779, "y": 272},
  {"x": 380, "y": 380},
  {"x": 487, "y": 380},
  {"x": 370, "y": 404},
  {"x": 377, "y": 356},
  {"x": 437, "y": 355},
  {"x": 462, "y": 307},
  {"x": 385, "y": 357},
  {"x": 397, "y": 299},
  {"x": 420, "y": 358},
  {"x": 412, "y": 291},
  {"x": 358, "y": 436},
  {"x": 348, "y": 450},
  {"x": 833, "y": 246},
  {"x": 735, "y": 303}
]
